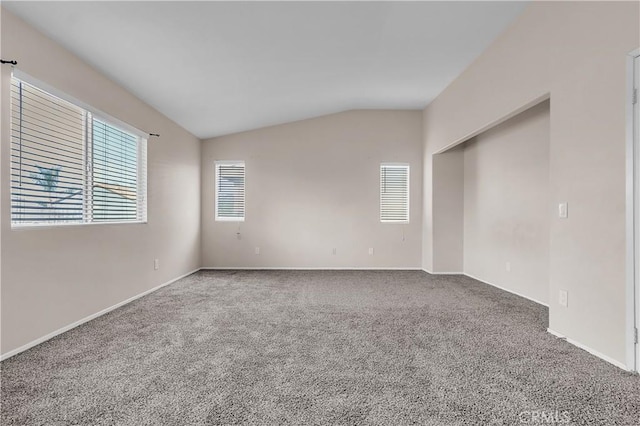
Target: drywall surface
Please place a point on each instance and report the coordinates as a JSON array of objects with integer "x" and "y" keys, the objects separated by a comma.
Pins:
[
  {"x": 448, "y": 211},
  {"x": 55, "y": 276},
  {"x": 576, "y": 52},
  {"x": 313, "y": 186},
  {"x": 506, "y": 204}
]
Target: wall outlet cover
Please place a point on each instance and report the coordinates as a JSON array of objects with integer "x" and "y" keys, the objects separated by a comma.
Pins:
[
  {"x": 563, "y": 298},
  {"x": 563, "y": 210}
]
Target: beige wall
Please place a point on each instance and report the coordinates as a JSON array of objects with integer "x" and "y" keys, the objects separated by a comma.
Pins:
[
  {"x": 448, "y": 211},
  {"x": 52, "y": 277},
  {"x": 576, "y": 52},
  {"x": 312, "y": 186},
  {"x": 506, "y": 205}
]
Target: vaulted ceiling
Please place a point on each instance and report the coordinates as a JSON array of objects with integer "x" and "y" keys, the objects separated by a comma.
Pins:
[{"x": 223, "y": 67}]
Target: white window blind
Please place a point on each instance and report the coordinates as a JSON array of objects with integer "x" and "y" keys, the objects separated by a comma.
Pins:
[
  {"x": 394, "y": 192},
  {"x": 71, "y": 166},
  {"x": 115, "y": 174},
  {"x": 230, "y": 181}
]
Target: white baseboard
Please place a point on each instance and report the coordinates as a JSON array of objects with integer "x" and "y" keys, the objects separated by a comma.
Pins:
[
  {"x": 441, "y": 273},
  {"x": 588, "y": 349},
  {"x": 296, "y": 268},
  {"x": 87, "y": 319},
  {"x": 507, "y": 290},
  {"x": 486, "y": 282}
]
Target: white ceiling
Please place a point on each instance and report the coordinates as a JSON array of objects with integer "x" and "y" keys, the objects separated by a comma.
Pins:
[{"x": 223, "y": 67}]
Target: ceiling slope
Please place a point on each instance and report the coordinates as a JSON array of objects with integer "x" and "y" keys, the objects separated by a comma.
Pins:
[{"x": 223, "y": 67}]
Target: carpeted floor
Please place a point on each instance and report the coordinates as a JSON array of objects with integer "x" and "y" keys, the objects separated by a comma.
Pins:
[{"x": 317, "y": 348}]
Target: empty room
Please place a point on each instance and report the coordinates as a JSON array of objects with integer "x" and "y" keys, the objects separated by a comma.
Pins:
[{"x": 320, "y": 213}]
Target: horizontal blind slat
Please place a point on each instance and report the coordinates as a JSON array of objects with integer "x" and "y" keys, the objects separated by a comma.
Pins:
[
  {"x": 28, "y": 89},
  {"x": 35, "y": 132},
  {"x": 30, "y": 140}
]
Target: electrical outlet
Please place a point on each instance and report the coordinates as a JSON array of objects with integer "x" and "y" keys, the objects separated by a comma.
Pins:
[
  {"x": 563, "y": 210},
  {"x": 257, "y": 250},
  {"x": 563, "y": 298},
  {"x": 334, "y": 251},
  {"x": 371, "y": 250},
  {"x": 156, "y": 264},
  {"x": 507, "y": 266}
]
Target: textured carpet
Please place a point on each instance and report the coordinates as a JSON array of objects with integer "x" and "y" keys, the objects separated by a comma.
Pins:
[{"x": 317, "y": 347}]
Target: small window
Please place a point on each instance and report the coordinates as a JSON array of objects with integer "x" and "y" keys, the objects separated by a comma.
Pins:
[
  {"x": 70, "y": 165},
  {"x": 230, "y": 190},
  {"x": 394, "y": 192}
]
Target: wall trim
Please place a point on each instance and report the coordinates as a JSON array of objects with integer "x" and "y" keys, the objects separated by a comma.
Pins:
[
  {"x": 507, "y": 290},
  {"x": 488, "y": 283},
  {"x": 441, "y": 273},
  {"x": 588, "y": 349},
  {"x": 89, "y": 318},
  {"x": 307, "y": 268},
  {"x": 632, "y": 269}
]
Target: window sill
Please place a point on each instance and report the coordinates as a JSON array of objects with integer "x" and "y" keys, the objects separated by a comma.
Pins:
[
  {"x": 229, "y": 219},
  {"x": 33, "y": 226}
]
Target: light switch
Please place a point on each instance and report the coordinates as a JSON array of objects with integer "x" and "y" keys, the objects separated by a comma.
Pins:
[{"x": 563, "y": 210}]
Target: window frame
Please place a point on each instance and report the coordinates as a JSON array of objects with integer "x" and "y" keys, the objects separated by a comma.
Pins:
[
  {"x": 217, "y": 165},
  {"x": 406, "y": 166},
  {"x": 91, "y": 113}
]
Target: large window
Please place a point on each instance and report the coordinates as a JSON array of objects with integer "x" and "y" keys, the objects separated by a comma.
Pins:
[
  {"x": 394, "y": 192},
  {"x": 230, "y": 190},
  {"x": 70, "y": 165}
]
